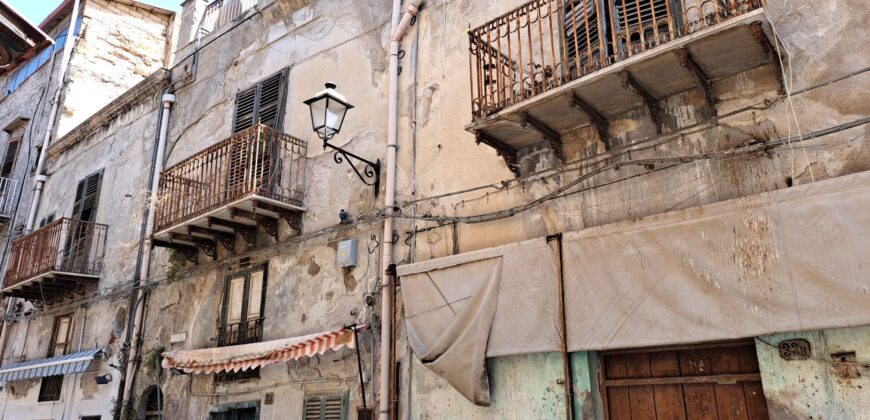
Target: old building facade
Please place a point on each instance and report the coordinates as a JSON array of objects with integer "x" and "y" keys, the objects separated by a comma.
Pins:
[
  {"x": 114, "y": 47},
  {"x": 579, "y": 209}
]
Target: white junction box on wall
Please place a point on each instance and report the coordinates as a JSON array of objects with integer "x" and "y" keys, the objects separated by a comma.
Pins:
[{"x": 346, "y": 257}]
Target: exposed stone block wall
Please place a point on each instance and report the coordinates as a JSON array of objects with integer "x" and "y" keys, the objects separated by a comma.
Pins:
[{"x": 120, "y": 45}]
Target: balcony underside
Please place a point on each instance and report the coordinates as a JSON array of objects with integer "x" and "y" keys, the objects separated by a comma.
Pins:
[
  {"x": 694, "y": 61},
  {"x": 52, "y": 287},
  {"x": 241, "y": 219}
]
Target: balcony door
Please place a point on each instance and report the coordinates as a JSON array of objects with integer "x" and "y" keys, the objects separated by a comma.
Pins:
[
  {"x": 79, "y": 231},
  {"x": 253, "y": 162},
  {"x": 242, "y": 315}
]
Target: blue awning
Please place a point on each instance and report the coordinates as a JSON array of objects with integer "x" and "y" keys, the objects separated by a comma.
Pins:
[{"x": 70, "y": 363}]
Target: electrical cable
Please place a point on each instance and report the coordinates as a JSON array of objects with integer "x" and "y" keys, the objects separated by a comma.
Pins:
[{"x": 122, "y": 288}]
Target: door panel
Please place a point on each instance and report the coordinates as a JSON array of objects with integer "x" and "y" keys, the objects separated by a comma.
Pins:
[{"x": 716, "y": 381}]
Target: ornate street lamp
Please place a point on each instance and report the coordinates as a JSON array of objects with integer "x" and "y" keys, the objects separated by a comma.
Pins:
[{"x": 328, "y": 108}]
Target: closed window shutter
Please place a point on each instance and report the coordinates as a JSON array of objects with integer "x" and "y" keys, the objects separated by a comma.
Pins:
[
  {"x": 246, "y": 102},
  {"x": 327, "y": 407},
  {"x": 333, "y": 408},
  {"x": 271, "y": 99},
  {"x": 87, "y": 198},
  {"x": 631, "y": 14},
  {"x": 312, "y": 408},
  {"x": 262, "y": 103},
  {"x": 577, "y": 13},
  {"x": 46, "y": 220},
  {"x": 9, "y": 157}
]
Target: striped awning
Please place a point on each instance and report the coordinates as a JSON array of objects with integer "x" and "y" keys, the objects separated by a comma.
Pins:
[
  {"x": 62, "y": 365},
  {"x": 250, "y": 356}
]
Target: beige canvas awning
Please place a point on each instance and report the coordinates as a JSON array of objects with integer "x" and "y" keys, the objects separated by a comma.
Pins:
[
  {"x": 788, "y": 260},
  {"x": 254, "y": 355}
]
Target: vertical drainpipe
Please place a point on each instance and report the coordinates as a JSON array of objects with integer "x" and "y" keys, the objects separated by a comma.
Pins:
[
  {"x": 145, "y": 251},
  {"x": 398, "y": 26},
  {"x": 40, "y": 163},
  {"x": 40, "y": 180},
  {"x": 387, "y": 239}
]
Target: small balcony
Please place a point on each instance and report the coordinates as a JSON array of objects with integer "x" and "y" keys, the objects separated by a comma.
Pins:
[
  {"x": 242, "y": 185},
  {"x": 8, "y": 194},
  {"x": 245, "y": 332},
  {"x": 56, "y": 262},
  {"x": 552, "y": 66}
]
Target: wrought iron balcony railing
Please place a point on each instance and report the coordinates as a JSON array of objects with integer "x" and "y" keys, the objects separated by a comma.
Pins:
[
  {"x": 220, "y": 12},
  {"x": 63, "y": 257},
  {"x": 250, "y": 331},
  {"x": 545, "y": 44},
  {"x": 258, "y": 162}
]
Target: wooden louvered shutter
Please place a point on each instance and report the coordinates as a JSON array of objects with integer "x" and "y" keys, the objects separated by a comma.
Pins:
[
  {"x": 577, "y": 14},
  {"x": 327, "y": 407},
  {"x": 262, "y": 103},
  {"x": 270, "y": 101},
  {"x": 630, "y": 15},
  {"x": 9, "y": 157},
  {"x": 246, "y": 102},
  {"x": 87, "y": 198}
]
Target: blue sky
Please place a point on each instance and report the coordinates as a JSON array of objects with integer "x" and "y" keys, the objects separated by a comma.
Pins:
[{"x": 37, "y": 10}]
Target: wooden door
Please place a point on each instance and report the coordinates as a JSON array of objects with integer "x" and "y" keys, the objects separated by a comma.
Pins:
[{"x": 718, "y": 381}]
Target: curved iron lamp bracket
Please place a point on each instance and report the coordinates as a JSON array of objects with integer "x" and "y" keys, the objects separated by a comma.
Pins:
[{"x": 369, "y": 172}]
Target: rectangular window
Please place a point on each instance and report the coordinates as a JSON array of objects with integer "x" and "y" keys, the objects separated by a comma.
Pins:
[
  {"x": 87, "y": 197},
  {"x": 325, "y": 407},
  {"x": 49, "y": 388},
  {"x": 46, "y": 220},
  {"x": 29, "y": 68},
  {"x": 365, "y": 413},
  {"x": 262, "y": 103},
  {"x": 60, "y": 337},
  {"x": 241, "y": 315},
  {"x": 9, "y": 157},
  {"x": 241, "y": 413}
]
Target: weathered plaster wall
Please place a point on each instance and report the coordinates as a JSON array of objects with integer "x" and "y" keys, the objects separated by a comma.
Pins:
[
  {"x": 822, "y": 45},
  {"x": 119, "y": 46},
  {"x": 821, "y": 387},
  {"x": 123, "y": 152},
  {"x": 322, "y": 41},
  {"x": 444, "y": 148}
]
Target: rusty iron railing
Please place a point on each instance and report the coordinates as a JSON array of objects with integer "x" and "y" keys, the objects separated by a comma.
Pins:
[
  {"x": 257, "y": 161},
  {"x": 65, "y": 246},
  {"x": 220, "y": 12},
  {"x": 250, "y": 331},
  {"x": 544, "y": 44}
]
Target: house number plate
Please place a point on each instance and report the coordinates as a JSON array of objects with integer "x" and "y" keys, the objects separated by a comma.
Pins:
[{"x": 797, "y": 349}]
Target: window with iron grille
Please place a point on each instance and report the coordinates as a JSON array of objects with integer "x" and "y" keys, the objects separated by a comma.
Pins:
[
  {"x": 325, "y": 407},
  {"x": 154, "y": 404},
  {"x": 242, "y": 314},
  {"x": 49, "y": 388},
  {"x": 262, "y": 103}
]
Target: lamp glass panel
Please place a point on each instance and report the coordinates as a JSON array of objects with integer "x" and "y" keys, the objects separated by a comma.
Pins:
[
  {"x": 334, "y": 115},
  {"x": 318, "y": 114}
]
